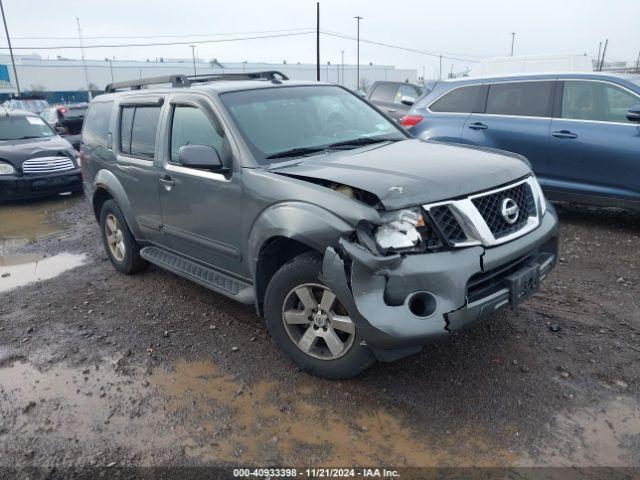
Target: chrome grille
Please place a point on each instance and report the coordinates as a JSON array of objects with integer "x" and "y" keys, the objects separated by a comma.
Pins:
[
  {"x": 478, "y": 219},
  {"x": 490, "y": 207},
  {"x": 47, "y": 165}
]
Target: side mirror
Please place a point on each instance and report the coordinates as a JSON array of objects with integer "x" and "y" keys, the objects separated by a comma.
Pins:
[
  {"x": 60, "y": 130},
  {"x": 633, "y": 114},
  {"x": 407, "y": 100},
  {"x": 200, "y": 156}
]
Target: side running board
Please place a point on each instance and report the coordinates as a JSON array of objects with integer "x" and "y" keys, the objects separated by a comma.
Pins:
[{"x": 207, "y": 277}]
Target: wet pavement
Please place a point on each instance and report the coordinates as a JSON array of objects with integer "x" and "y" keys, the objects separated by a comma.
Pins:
[{"x": 97, "y": 368}]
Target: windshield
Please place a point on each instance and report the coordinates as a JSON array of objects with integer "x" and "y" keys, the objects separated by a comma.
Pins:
[
  {"x": 303, "y": 120},
  {"x": 16, "y": 128},
  {"x": 30, "y": 105}
]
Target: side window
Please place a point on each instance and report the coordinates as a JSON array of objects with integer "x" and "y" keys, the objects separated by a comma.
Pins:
[
  {"x": 460, "y": 100},
  {"x": 96, "y": 125},
  {"x": 598, "y": 101},
  {"x": 191, "y": 126},
  {"x": 383, "y": 92},
  {"x": 143, "y": 131},
  {"x": 126, "y": 123},
  {"x": 527, "y": 99},
  {"x": 405, "y": 91}
]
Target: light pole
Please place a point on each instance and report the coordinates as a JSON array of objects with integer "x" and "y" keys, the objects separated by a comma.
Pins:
[
  {"x": 13, "y": 62},
  {"x": 358, "y": 18},
  {"x": 193, "y": 56},
  {"x": 84, "y": 61},
  {"x": 111, "y": 69},
  {"x": 513, "y": 40}
]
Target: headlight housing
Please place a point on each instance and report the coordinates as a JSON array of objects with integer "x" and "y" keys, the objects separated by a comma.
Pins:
[
  {"x": 399, "y": 230},
  {"x": 537, "y": 191},
  {"x": 6, "y": 169}
]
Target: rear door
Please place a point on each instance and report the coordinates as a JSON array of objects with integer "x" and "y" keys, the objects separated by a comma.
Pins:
[
  {"x": 444, "y": 118},
  {"x": 382, "y": 96},
  {"x": 595, "y": 149},
  {"x": 135, "y": 168},
  {"x": 516, "y": 117}
]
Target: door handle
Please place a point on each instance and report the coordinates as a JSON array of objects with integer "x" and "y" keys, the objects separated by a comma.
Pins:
[
  {"x": 477, "y": 126},
  {"x": 564, "y": 134},
  {"x": 391, "y": 110},
  {"x": 167, "y": 183}
]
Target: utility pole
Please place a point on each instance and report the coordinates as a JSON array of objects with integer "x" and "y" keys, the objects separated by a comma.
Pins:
[
  {"x": 638, "y": 63},
  {"x": 13, "y": 62},
  {"x": 599, "y": 52},
  {"x": 440, "y": 70},
  {"x": 513, "y": 41},
  {"x": 193, "y": 56},
  {"x": 423, "y": 75},
  {"x": 328, "y": 64},
  {"x": 358, "y": 18},
  {"x": 451, "y": 74},
  {"x": 604, "y": 52},
  {"x": 342, "y": 67},
  {"x": 317, "y": 41},
  {"x": 111, "y": 69},
  {"x": 84, "y": 61}
]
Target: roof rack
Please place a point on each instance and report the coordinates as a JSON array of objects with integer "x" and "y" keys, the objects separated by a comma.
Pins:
[
  {"x": 174, "y": 80},
  {"x": 186, "y": 80}
]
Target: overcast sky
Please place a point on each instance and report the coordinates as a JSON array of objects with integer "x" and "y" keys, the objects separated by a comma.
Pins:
[{"x": 468, "y": 28}]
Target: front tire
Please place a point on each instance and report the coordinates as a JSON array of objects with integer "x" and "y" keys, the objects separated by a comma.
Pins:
[
  {"x": 122, "y": 249},
  {"x": 310, "y": 325}
]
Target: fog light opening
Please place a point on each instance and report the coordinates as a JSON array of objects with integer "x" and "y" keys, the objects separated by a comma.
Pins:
[{"x": 422, "y": 304}]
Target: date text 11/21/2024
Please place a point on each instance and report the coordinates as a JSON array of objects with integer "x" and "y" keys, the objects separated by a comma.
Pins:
[{"x": 316, "y": 473}]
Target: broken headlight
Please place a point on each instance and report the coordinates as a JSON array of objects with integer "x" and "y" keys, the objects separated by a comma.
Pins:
[{"x": 400, "y": 230}]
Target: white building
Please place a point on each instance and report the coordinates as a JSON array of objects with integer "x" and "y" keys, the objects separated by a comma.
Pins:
[{"x": 63, "y": 75}]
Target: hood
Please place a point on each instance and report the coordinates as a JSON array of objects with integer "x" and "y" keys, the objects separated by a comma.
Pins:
[
  {"x": 18, "y": 151},
  {"x": 413, "y": 172}
]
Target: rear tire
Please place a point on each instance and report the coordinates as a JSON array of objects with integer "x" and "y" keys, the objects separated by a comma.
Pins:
[
  {"x": 122, "y": 249},
  {"x": 310, "y": 325}
]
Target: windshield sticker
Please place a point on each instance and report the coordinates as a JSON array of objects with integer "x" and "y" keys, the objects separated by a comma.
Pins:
[{"x": 35, "y": 120}]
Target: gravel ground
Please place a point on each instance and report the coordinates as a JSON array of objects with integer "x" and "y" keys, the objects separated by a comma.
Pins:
[{"x": 102, "y": 369}]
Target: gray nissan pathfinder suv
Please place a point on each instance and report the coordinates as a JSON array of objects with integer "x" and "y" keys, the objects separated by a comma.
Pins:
[{"x": 354, "y": 240}]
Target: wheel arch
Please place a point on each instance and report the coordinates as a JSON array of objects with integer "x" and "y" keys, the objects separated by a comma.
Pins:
[
  {"x": 285, "y": 231},
  {"x": 106, "y": 187}
]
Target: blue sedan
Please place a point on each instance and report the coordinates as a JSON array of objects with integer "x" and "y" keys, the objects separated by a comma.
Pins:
[{"x": 581, "y": 132}]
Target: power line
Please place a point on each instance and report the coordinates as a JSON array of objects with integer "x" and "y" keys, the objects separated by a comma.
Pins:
[
  {"x": 160, "y": 44},
  {"x": 398, "y": 47},
  {"x": 186, "y": 35}
]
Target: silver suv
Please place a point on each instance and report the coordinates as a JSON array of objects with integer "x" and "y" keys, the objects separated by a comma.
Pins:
[{"x": 354, "y": 240}]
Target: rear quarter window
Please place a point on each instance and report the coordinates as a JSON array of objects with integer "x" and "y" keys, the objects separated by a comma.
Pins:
[
  {"x": 460, "y": 100},
  {"x": 97, "y": 124}
]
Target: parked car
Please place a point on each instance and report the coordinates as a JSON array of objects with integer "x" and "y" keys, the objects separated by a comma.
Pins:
[
  {"x": 355, "y": 241},
  {"x": 67, "y": 121},
  {"x": 394, "y": 98},
  {"x": 34, "y": 160},
  {"x": 581, "y": 132},
  {"x": 33, "y": 104}
]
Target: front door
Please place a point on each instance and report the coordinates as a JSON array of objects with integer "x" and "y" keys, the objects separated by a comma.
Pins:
[
  {"x": 201, "y": 209},
  {"x": 516, "y": 118},
  {"x": 595, "y": 149}
]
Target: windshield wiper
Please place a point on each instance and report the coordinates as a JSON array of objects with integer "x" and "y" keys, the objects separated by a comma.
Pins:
[
  {"x": 357, "y": 142},
  {"x": 296, "y": 152},
  {"x": 26, "y": 137}
]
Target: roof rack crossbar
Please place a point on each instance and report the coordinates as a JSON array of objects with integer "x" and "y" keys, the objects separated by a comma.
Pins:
[
  {"x": 174, "y": 80},
  {"x": 186, "y": 80},
  {"x": 266, "y": 75}
]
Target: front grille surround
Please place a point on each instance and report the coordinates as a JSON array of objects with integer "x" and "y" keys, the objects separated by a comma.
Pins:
[
  {"x": 473, "y": 220},
  {"x": 43, "y": 165}
]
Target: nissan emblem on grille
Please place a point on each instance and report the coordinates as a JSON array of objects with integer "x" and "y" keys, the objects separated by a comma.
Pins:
[{"x": 509, "y": 211}]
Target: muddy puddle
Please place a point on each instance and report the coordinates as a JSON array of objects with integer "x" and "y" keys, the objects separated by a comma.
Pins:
[
  {"x": 19, "y": 270},
  {"x": 24, "y": 223},
  {"x": 269, "y": 421},
  {"x": 603, "y": 435}
]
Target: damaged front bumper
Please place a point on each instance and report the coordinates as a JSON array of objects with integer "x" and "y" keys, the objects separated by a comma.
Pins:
[{"x": 401, "y": 303}]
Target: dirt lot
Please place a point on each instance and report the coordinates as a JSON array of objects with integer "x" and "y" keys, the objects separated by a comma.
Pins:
[{"x": 97, "y": 368}]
